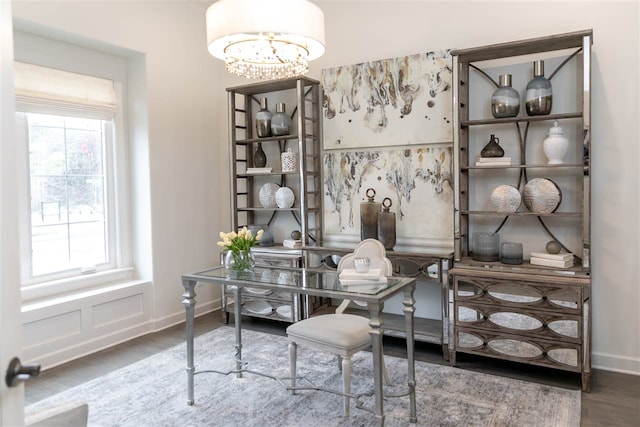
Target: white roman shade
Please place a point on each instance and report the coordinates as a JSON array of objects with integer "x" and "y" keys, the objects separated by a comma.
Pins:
[{"x": 50, "y": 91}]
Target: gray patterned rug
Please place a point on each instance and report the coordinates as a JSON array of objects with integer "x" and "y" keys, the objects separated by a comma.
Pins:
[{"x": 152, "y": 392}]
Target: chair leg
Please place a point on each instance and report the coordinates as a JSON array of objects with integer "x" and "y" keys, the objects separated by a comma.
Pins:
[
  {"x": 293, "y": 347},
  {"x": 340, "y": 363},
  {"x": 346, "y": 380}
]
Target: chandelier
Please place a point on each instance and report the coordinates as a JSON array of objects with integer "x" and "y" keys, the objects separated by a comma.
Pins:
[{"x": 265, "y": 39}]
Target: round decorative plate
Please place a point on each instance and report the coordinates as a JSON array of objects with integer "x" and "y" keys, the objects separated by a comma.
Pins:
[
  {"x": 258, "y": 307},
  {"x": 257, "y": 291},
  {"x": 285, "y": 197},
  {"x": 506, "y": 198},
  {"x": 267, "y": 195},
  {"x": 541, "y": 195}
]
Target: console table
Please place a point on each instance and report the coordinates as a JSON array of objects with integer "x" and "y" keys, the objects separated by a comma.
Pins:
[
  {"x": 429, "y": 268},
  {"x": 320, "y": 283}
]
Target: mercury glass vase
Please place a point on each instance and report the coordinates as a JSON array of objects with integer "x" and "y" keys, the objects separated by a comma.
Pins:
[
  {"x": 263, "y": 120},
  {"x": 280, "y": 122},
  {"x": 539, "y": 95},
  {"x": 505, "y": 101}
]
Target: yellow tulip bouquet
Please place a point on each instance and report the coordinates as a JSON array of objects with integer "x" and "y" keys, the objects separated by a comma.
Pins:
[{"x": 239, "y": 246}]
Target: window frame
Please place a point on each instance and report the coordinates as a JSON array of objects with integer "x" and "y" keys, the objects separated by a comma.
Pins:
[{"x": 77, "y": 59}]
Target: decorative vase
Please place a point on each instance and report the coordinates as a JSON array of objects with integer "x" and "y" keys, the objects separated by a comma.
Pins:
[
  {"x": 369, "y": 211},
  {"x": 539, "y": 95},
  {"x": 241, "y": 260},
  {"x": 492, "y": 149},
  {"x": 555, "y": 145},
  {"x": 280, "y": 122},
  {"x": 259, "y": 157},
  {"x": 505, "y": 101},
  {"x": 263, "y": 120},
  {"x": 387, "y": 225},
  {"x": 511, "y": 253},
  {"x": 486, "y": 246}
]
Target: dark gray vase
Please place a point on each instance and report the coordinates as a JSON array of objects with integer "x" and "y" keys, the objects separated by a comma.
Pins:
[
  {"x": 259, "y": 157},
  {"x": 492, "y": 149}
]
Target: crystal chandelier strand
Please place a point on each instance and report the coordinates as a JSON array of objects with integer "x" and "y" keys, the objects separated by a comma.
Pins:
[{"x": 267, "y": 57}]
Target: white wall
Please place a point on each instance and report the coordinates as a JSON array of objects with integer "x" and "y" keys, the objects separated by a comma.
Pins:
[
  {"x": 174, "y": 155},
  {"x": 187, "y": 122}
]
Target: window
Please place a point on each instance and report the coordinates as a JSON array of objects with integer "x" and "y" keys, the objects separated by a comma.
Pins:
[
  {"x": 74, "y": 188},
  {"x": 68, "y": 188}
]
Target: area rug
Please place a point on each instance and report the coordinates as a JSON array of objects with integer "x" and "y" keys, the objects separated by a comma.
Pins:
[{"x": 153, "y": 392}]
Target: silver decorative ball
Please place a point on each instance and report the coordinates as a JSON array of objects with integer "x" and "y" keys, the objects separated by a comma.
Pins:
[{"x": 553, "y": 247}]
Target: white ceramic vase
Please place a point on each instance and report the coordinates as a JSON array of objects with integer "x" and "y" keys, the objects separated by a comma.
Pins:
[{"x": 555, "y": 145}]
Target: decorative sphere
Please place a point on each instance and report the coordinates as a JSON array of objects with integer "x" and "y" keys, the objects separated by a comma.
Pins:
[
  {"x": 553, "y": 247},
  {"x": 296, "y": 235}
]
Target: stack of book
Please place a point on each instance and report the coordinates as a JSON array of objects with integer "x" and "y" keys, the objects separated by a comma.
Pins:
[
  {"x": 291, "y": 243},
  {"x": 259, "y": 170},
  {"x": 351, "y": 277},
  {"x": 564, "y": 260},
  {"x": 493, "y": 161}
]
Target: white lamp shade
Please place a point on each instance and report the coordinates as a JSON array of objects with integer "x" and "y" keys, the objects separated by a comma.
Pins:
[{"x": 231, "y": 21}]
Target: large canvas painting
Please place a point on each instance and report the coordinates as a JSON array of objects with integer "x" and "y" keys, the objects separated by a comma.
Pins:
[
  {"x": 417, "y": 180},
  {"x": 390, "y": 102}
]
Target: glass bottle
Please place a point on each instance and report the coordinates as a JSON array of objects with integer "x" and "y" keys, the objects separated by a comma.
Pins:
[
  {"x": 263, "y": 120},
  {"x": 505, "y": 101},
  {"x": 539, "y": 94},
  {"x": 280, "y": 122},
  {"x": 259, "y": 157}
]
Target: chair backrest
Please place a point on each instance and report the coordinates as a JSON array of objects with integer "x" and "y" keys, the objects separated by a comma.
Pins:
[
  {"x": 375, "y": 251},
  {"x": 372, "y": 249}
]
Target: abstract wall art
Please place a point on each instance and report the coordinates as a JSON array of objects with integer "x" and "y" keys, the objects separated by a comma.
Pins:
[
  {"x": 390, "y": 102},
  {"x": 417, "y": 180}
]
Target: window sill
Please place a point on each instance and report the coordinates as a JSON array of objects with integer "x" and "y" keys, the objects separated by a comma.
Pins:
[{"x": 64, "y": 287}]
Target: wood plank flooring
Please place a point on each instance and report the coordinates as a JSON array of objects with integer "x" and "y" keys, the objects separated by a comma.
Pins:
[{"x": 614, "y": 399}]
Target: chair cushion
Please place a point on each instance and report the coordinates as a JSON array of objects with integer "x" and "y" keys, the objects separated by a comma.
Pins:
[{"x": 346, "y": 331}]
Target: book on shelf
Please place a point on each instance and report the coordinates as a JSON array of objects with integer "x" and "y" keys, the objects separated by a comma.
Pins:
[
  {"x": 291, "y": 243},
  {"x": 551, "y": 262},
  {"x": 493, "y": 161},
  {"x": 559, "y": 257},
  {"x": 259, "y": 170}
]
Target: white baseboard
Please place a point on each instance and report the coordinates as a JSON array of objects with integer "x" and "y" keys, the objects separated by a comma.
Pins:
[
  {"x": 177, "y": 318},
  {"x": 615, "y": 363}
]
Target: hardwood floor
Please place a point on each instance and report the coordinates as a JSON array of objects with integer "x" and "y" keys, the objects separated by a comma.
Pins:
[{"x": 614, "y": 399}]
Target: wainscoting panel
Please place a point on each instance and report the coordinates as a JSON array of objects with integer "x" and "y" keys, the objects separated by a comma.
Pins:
[
  {"x": 65, "y": 328},
  {"x": 58, "y": 328},
  {"x": 121, "y": 310}
]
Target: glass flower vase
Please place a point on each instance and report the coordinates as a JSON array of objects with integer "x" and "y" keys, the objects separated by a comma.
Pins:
[{"x": 241, "y": 260}]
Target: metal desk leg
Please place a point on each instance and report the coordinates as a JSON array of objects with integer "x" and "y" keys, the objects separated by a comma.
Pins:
[
  {"x": 375, "y": 322},
  {"x": 189, "y": 302},
  {"x": 237, "y": 308},
  {"x": 409, "y": 310}
]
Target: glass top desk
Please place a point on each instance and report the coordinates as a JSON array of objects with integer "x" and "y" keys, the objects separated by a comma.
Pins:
[{"x": 322, "y": 283}]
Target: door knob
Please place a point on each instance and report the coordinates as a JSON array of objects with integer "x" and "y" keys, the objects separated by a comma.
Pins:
[{"x": 16, "y": 373}]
